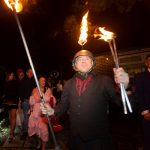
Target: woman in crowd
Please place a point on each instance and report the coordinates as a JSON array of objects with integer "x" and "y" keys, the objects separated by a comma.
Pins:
[
  {"x": 37, "y": 125},
  {"x": 11, "y": 101}
]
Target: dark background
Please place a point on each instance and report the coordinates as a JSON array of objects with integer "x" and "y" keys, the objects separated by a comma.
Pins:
[{"x": 52, "y": 28}]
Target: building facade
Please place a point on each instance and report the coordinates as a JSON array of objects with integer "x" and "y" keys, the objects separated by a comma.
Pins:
[{"x": 131, "y": 61}]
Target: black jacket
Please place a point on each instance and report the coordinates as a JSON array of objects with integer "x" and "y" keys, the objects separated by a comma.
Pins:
[
  {"x": 89, "y": 111},
  {"x": 26, "y": 86},
  {"x": 142, "y": 89},
  {"x": 11, "y": 92}
]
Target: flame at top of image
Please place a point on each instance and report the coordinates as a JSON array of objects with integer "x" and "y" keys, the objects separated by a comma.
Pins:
[
  {"x": 84, "y": 30},
  {"x": 14, "y": 4},
  {"x": 104, "y": 34}
]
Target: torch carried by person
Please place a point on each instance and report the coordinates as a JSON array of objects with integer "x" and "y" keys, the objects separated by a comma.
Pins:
[
  {"x": 110, "y": 38},
  {"x": 16, "y": 7}
]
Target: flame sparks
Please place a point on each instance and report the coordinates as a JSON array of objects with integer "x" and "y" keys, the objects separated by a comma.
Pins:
[
  {"x": 104, "y": 34},
  {"x": 14, "y": 4},
  {"x": 84, "y": 30}
]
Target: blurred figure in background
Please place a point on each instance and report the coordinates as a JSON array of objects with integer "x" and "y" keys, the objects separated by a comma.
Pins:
[
  {"x": 19, "y": 119},
  {"x": 25, "y": 89},
  {"x": 142, "y": 90},
  {"x": 59, "y": 89},
  {"x": 20, "y": 74},
  {"x": 11, "y": 101}
]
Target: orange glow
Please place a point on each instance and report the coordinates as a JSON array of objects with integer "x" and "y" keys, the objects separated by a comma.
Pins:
[
  {"x": 14, "y": 4},
  {"x": 84, "y": 30},
  {"x": 104, "y": 34}
]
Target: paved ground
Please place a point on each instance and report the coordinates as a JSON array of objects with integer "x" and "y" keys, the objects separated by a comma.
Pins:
[
  {"x": 30, "y": 143},
  {"x": 126, "y": 131}
]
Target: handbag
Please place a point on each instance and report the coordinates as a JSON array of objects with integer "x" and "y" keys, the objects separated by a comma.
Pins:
[
  {"x": 19, "y": 117},
  {"x": 57, "y": 127}
]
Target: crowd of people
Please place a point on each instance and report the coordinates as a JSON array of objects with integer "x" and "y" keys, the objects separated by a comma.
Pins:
[
  {"x": 21, "y": 97},
  {"x": 85, "y": 97}
]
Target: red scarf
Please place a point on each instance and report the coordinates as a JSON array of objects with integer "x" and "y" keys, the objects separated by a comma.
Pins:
[{"x": 82, "y": 84}]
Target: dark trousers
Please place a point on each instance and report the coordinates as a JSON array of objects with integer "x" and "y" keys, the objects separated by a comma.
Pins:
[
  {"x": 25, "y": 107},
  {"x": 146, "y": 129},
  {"x": 77, "y": 143}
]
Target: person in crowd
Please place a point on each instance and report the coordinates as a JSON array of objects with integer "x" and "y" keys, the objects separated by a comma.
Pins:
[
  {"x": 86, "y": 95},
  {"x": 11, "y": 101},
  {"x": 59, "y": 89},
  {"x": 20, "y": 77},
  {"x": 20, "y": 74},
  {"x": 25, "y": 89},
  {"x": 142, "y": 91},
  {"x": 37, "y": 125}
]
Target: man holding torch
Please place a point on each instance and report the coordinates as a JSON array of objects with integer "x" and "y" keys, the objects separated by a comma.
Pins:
[{"x": 86, "y": 95}]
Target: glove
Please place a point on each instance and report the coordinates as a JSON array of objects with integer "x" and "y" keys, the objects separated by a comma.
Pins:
[
  {"x": 121, "y": 76},
  {"x": 47, "y": 109}
]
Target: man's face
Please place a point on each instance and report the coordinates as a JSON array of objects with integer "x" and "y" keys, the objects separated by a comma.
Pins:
[
  {"x": 29, "y": 73},
  {"x": 83, "y": 64},
  {"x": 20, "y": 75}
]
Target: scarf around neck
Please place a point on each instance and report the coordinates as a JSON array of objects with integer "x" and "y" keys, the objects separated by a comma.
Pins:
[{"x": 81, "y": 83}]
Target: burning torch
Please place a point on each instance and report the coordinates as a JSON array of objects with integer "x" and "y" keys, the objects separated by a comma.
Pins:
[
  {"x": 110, "y": 38},
  {"x": 83, "y": 30},
  {"x": 16, "y": 6}
]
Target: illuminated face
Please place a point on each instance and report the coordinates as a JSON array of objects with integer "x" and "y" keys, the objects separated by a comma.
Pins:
[
  {"x": 29, "y": 73},
  {"x": 42, "y": 82},
  {"x": 11, "y": 76},
  {"x": 83, "y": 64}
]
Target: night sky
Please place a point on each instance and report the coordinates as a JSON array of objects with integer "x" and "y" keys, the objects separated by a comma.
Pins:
[{"x": 52, "y": 39}]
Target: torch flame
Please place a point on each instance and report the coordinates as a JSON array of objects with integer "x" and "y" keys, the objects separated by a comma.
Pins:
[
  {"x": 14, "y": 4},
  {"x": 84, "y": 30},
  {"x": 104, "y": 34}
]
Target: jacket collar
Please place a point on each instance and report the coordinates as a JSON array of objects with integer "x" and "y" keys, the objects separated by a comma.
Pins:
[{"x": 84, "y": 76}]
